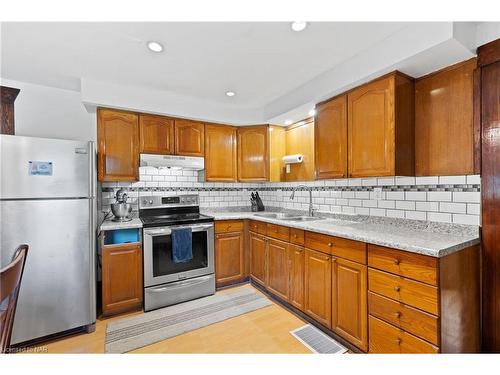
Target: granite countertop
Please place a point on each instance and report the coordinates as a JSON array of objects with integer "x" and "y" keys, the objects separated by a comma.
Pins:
[
  {"x": 422, "y": 237},
  {"x": 109, "y": 224}
]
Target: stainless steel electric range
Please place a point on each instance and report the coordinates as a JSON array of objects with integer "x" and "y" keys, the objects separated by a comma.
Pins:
[{"x": 165, "y": 281}]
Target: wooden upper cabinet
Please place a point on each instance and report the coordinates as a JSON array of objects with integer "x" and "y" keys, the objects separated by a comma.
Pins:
[
  {"x": 444, "y": 132},
  {"x": 156, "y": 134},
  {"x": 118, "y": 145},
  {"x": 330, "y": 139},
  {"x": 380, "y": 118},
  {"x": 349, "y": 301},
  {"x": 189, "y": 138},
  {"x": 253, "y": 153},
  {"x": 300, "y": 140},
  {"x": 220, "y": 153}
]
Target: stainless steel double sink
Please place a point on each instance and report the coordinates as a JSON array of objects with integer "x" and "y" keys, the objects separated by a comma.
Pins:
[{"x": 288, "y": 217}]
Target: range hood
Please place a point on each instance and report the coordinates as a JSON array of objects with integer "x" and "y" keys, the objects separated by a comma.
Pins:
[{"x": 172, "y": 161}]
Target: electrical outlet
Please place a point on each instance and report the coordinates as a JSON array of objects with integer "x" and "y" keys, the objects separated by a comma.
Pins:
[{"x": 378, "y": 193}]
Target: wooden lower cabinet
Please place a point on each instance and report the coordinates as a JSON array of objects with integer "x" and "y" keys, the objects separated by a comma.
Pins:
[
  {"x": 278, "y": 268},
  {"x": 385, "y": 338},
  {"x": 349, "y": 301},
  {"x": 258, "y": 258},
  {"x": 229, "y": 258},
  {"x": 296, "y": 289},
  {"x": 122, "y": 286},
  {"x": 318, "y": 286}
]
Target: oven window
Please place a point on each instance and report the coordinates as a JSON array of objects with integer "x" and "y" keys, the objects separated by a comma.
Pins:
[{"x": 163, "y": 263}]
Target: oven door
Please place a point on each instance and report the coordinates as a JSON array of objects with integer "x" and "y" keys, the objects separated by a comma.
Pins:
[{"x": 159, "y": 267}]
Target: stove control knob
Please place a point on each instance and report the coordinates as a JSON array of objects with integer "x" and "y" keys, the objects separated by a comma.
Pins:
[{"x": 150, "y": 201}]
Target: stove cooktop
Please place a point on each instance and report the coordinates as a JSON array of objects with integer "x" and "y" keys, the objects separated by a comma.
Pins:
[{"x": 175, "y": 219}]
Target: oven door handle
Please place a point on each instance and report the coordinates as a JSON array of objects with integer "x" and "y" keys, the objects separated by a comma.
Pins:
[
  {"x": 180, "y": 284},
  {"x": 166, "y": 231}
]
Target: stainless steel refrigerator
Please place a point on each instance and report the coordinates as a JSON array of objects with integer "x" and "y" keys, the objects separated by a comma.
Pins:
[{"x": 47, "y": 200}]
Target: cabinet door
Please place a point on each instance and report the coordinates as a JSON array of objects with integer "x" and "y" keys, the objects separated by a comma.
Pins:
[
  {"x": 349, "y": 302},
  {"x": 189, "y": 138},
  {"x": 318, "y": 286},
  {"x": 278, "y": 268},
  {"x": 156, "y": 134},
  {"x": 220, "y": 153},
  {"x": 253, "y": 153},
  {"x": 258, "y": 258},
  {"x": 371, "y": 131},
  {"x": 229, "y": 258},
  {"x": 330, "y": 135},
  {"x": 444, "y": 142},
  {"x": 118, "y": 145},
  {"x": 296, "y": 289},
  {"x": 122, "y": 286}
]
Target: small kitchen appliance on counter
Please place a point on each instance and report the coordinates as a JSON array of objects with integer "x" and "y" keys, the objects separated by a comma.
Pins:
[
  {"x": 121, "y": 209},
  {"x": 167, "y": 280}
]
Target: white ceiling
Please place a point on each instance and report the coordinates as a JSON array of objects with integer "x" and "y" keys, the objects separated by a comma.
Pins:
[{"x": 261, "y": 61}]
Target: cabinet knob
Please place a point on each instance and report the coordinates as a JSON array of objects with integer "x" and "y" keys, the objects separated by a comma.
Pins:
[
  {"x": 398, "y": 314},
  {"x": 330, "y": 244},
  {"x": 294, "y": 236},
  {"x": 398, "y": 341},
  {"x": 334, "y": 260},
  {"x": 397, "y": 288},
  {"x": 396, "y": 261}
]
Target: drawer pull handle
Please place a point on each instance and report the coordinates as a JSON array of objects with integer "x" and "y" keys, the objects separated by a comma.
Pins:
[
  {"x": 397, "y": 288},
  {"x": 398, "y": 341},
  {"x": 398, "y": 314},
  {"x": 330, "y": 244},
  {"x": 397, "y": 261}
]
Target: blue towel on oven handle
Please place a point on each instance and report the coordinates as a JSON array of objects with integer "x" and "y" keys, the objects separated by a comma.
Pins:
[{"x": 182, "y": 245}]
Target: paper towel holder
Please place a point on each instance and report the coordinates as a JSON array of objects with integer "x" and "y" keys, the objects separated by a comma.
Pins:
[{"x": 293, "y": 159}]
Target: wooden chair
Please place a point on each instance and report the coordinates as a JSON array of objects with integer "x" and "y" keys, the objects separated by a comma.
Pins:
[{"x": 10, "y": 283}]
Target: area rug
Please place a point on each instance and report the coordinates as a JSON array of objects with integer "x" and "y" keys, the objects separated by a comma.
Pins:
[
  {"x": 138, "y": 331},
  {"x": 317, "y": 341}
]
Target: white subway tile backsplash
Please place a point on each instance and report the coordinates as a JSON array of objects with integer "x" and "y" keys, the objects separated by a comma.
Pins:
[
  {"x": 452, "y": 180},
  {"x": 396, "y": 214},
  {"x": 466, "y": 219},
  {"x": 438, "y": 216},
  {"x": 432, "y": 180},
  {"x": 351, "y": 196},
  {"x": 416, "y": 195},
  {"x": 427, "y": 206},
  {"x": 405, "y": 205},
  {"x": 439, "y": 196},
  {"x": 466, "y": 197},
  {"x": 416, "y": 215},
  {"x": 473, "y": 209},
  {"x": 456, "y": 208}
]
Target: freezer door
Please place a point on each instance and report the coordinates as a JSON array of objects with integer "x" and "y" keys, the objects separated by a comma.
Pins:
[
  {"x": 58, "y": 286},
  {"x": 45, "y": 168}
]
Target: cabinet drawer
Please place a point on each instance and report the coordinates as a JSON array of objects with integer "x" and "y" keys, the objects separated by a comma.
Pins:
[
  {"x": 257, "y": 227},
  {"x": 340, "y": 247},
  {"x": 226, "y": 226},
  {"x": 385, "y": 338},
  {"x": 414, "y": 266},
  {"x": 410, "y": 292},
  {"x": 402, "y": 316},
  {"x": 297, "y": 236},
  {"x": 279, "y": 232}
]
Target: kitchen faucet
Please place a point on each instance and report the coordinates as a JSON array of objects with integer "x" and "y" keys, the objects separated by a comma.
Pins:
[{"x": 311, "y": 210}]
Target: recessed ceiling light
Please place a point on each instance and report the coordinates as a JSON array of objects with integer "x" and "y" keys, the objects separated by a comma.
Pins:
[
  {"x": 155, "y": 46},
  {"x": 230, "y": 93},
  {"x": 288, "y": 122},
  {"x": 312, "y": 112},
  {"x": 298, "y": 25}
]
